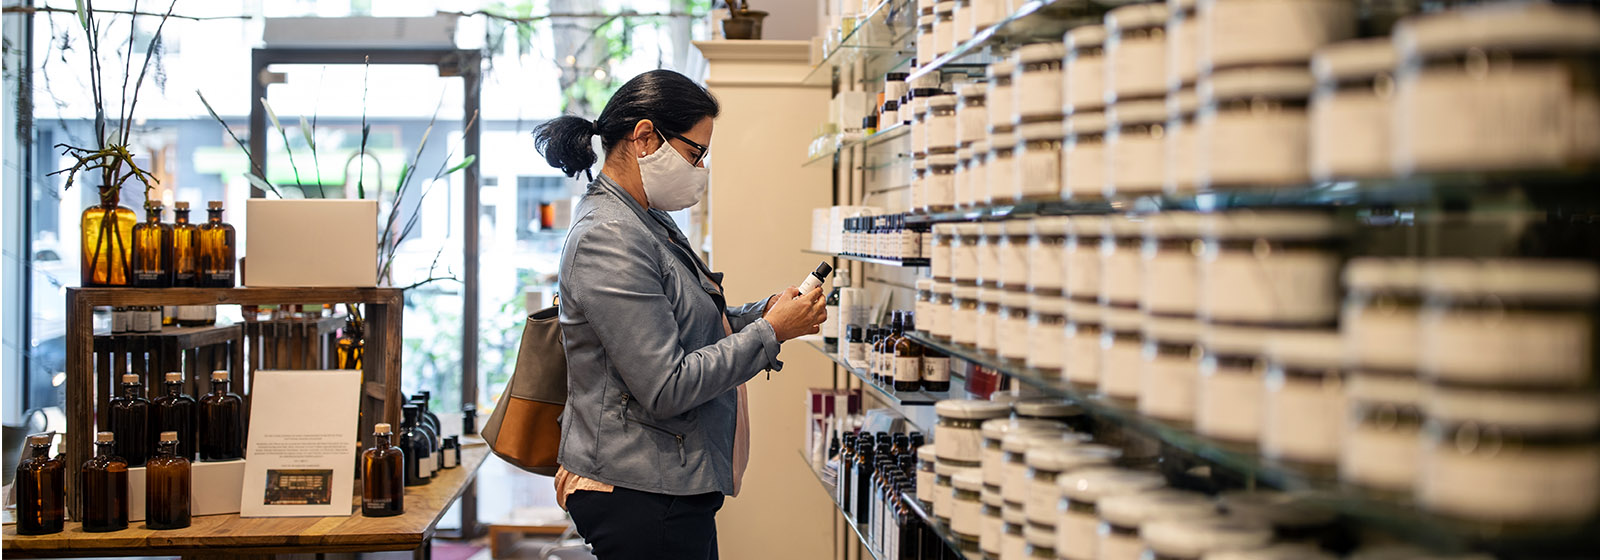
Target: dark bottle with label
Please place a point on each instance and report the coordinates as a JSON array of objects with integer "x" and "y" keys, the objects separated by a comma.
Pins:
[
  {"x": 130, "y": 420},
  {"x": 217, "y": 262},
  {"x": 414, "y": 442},
  {"x": 935, "y": 370},
  {"x": 907, "y": 357},
  {"x": 175, "y": 412},
  {"x": 152, "y": 250},
  {"x": 847, "y": 457},
  {"x": 222, "y": 428},
  {"x": 830, "y": 325},
  {"x": 185, "y": 248},
  {"x": 425, "y": 425},
  {"x": 866, "y": 457},
  {"x": 168, "y": 487},
  {"x": 383, "y": 476},
  {"x": 41, "y": 489},
  {"x": 886, "y": 359},
  {"x": 450, "y": 452},
  {"x": 469, "y": 420},
  {"x": 104, "y": 480},
  {"x": 908, "y": 527}
]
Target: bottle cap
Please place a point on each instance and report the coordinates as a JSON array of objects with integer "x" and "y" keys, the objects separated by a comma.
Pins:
[
  {"x": 130, "y": 378},
  {"x": 219, "y": 375},
  {"x": 823, "y": 270},
  {"x": 214, "y": 205},
  {"x": 382, "y": 429},
  {"x": 41, "y": 440},
  {"x": 174, "y": 377},
  {"x": 105, "y": 437},
  {"x": 180, "y": 205},
  {"x": 169, "y": 436}
]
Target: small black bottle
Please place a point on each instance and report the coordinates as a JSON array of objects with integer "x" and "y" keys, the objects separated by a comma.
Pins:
[{"x": 418, "y": 453}]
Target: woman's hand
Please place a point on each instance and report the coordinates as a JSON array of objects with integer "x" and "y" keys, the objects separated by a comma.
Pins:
[{"x": 793, "y": 315}]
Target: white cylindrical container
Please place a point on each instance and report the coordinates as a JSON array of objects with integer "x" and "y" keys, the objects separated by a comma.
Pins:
[
  {"x": 1510, "y": 322},
  {"x": 1182, "y": 148},
  {"x": 1012, "y": 327},
  {"x": 1050, "y": 409},
  {"x": 1183, "y": 44},
  {"x": 925, "y": 303},
  {"x": 1294, "y": 516},
  {"x": 1171, "y": 369},
  {"x": 965, "y": 182},
  {"x": 990, "y": 236},
  {"x": 1350, "y": 123},
  {"x": 964, "y": 250},
  {"x": 1085, "y": 69},
  {"x": 1228, "y": 398},
  {"x": 1254, "y": 127},
  {"x": 1038, "y": 160},
  {"x": 1136, "y": 137},
  {"x": 1120, "y": 261},
  {"x": 1382, "y": 432},
  {"x": 926, "y": 39},
  {"x": 919, "y": 183},
  {"x": 1381, "y": 318},
  {"x": 1136, "y": 46},
  {"x": 1013, "y": 544},
  {"x": 1193, "y": 538},
  {"x": 1083, "y": 344},
  {"x": 966, "y": 511},
  {"x": 1121, "y": 515},
  {"x": 1046, "y": 251},
  {"x": 1121, "y": 353},
  {"x": 964, "y": 315},
  {"x": 919, "y": 127},
  {"x": 1083, "y": 174},
  {"x": 972, "y": 116},
  {"x": 993, "y": 522},
  {"x": 1498, "y": 87},
  {"x": 1303, "y": 406},
  {"x": 1000, "y": 101},
  {"x": 986, "y": 13},
  {"x": 963, "y": 22},
  {"x": 1046, "y": 465},
  {"x": 1038, "y": 82},
  {"x": 927, "y": 461},
  {"x": 977, "y": 176},
  {"x": 960, "y": 428},
  {"x": 941, "y": 124},
  {"x": 1001, "y": 168},
  {"x": 1278, "y": 267},
  {"x": 1082, "y": 275},
  {"x": 1015, "y": 446},
  {"x": 944, "y": 28},
  {"x": 940, "y": 262},
  {"x": 994, "y": 433},
  {"x": 1078, "y": 522},
  {"x": 1040, "y": 539},
  {"x": 1047, "y": 323},
  {"x": 989, "y": 303},
  {"x": 939, "y": 195},
  {"x": 1171, "y": 266},
  {"x": 1244, "y": 32}
]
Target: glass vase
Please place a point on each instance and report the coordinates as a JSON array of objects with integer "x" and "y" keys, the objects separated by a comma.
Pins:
[{"x": 108, "y": 241}]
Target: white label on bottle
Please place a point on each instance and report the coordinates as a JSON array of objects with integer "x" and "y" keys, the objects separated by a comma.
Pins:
[
  {"x": 119, "y": 321},
  {"x": 936, "y": 369},
  {"x": 139, "y": 321},
  {"x": 422, "y": 468},
  {"x": 449, "y": 460},
  {"x": 908, "y": 369},
  {"x": 830, "y": 325},
  {"x": 857, "y": 354}
]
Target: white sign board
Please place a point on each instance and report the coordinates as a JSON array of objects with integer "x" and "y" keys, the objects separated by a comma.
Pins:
[{"x": 302, "y": 444}]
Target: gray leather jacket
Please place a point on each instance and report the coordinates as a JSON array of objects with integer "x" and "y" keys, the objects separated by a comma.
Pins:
[{"x": 651, "y": 378}]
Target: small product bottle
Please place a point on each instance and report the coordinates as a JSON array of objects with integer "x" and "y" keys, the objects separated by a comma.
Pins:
[
  {"x": 138, "y": 319},
  {"x": 907, "y": 357},
  {"x": 855, "y": 350},
  {"x": 884, "y": 374},
  {"x": 814, "y": 280},
  {"x": 175, "y": 412},
  {"x": 831, "y": 326},
  {"x": 383, "y": 470},
  {"x": 167, "y": 487},
  {"x": 119, "y": 320},
  {"x": 418, "y": 453},
  {"x": 469, "y": 419},
  {"x": 452, "y": 452},
  {"x": 185, "y": 248},
  {"x": 426, "y": 426},
  {"x": 935, "y": 370},
  {"x": 222, "y": 428},
  {"x": 152, "y": 250},
  {"x": 217, "y": 262},
  {"x": 104, "y": 480},
  {"x": 41, "y": 489},
  {"x": 130, "y": 417}
]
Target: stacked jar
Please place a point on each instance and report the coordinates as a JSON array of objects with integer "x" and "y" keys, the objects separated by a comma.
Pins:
[
  {"x": 1015, "y": 478},
  {"x": 1077, "y": 520},
  {"x": 1304, "y": 403},
  {"x": 993, "y": 464},
  {"x": 1193, "y": 538},
  {"x": 1012, "y": 329},
  {"x": 977, "y": 170},
  {"x": 1084, "y": 162},
  {"x": 1038, "y": 113},
  {"x": 986, "y": 13},
  {"x": 1182, "y": 68},
  {"x": 1047, "y": 305},
  {"x": 999, "y": 107},
  {"x": 1136, "y": 86},
  {"x": 1350, "y": 111},
  {"x": 938, "y": 319},
  {"x": 963, "y": 23},
  {"x": 972, "y": 125},
  {"x": 925, "y": 37},
  {"x": 964, "y": 272},
  {"x": 1295, "y": 517},
  {"x": 1170, "y": 370},
  {"x": 1170, "y": 276},
  {"x": 1382, "y": 329},
  {"x": 919, "y": 183},
  {"x": 959, "y": 436},
  {"x": 966, "y": 510},
  {"x": 1122, "y": 515},
  {"x": 1512, "y": 410},
  {"x": 941, "y": 260},
  {"x": 944, "y": 28}
]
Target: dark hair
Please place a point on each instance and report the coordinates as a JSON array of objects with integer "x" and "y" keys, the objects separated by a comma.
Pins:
[{"x": 669, "y": 100}]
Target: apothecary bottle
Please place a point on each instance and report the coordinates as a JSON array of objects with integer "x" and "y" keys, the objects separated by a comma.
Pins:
[
  {"x": 418, "y": 451},
  {"x": 383, "y": 470},
  {"x": 222, "y": 429},
  {"x": 130, "y": 419},
  {"x": 168, "y": 487},
  {"x": 152, "y": 250},
  {"x": 907, "y": 357},
  {"x": 175, "y": 412},
  {"x": 104, "y": 483},
  {"x": 41, "y": 489},
  {"x": 185, "y": 248},
  {"x": 217, "y": 262},
  {"x": 107, "y": 244}
]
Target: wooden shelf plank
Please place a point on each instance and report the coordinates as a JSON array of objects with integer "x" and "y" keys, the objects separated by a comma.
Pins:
[{"x": 99, "y": 297}]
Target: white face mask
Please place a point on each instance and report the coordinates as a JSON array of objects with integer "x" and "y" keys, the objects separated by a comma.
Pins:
[{"x": 670, "y": 182}]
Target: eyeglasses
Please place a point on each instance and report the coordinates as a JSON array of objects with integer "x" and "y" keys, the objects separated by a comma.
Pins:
[{"x": 700, "y": 151}]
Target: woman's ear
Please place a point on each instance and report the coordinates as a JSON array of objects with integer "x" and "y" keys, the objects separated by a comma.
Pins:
[{"x": 644, "y": 137}]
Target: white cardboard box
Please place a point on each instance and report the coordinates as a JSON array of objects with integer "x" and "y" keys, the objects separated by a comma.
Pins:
[
  {"x": 311, "y": 243},
  {"x": 369, "y": 32},
  {"x": 214, "y": 489}
]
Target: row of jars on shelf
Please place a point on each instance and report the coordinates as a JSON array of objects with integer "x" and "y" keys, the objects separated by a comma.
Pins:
[
  {"x": 1438, "y": 378},
  {"x": 1178, "y": 97},
  {"x": 117, "y": 251}
]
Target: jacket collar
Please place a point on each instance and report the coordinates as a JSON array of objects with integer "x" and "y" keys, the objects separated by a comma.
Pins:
[{"x": 659, "y": 223}]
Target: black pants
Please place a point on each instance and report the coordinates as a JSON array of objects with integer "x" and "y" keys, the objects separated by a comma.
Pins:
[{"x": 632, "y": 525}]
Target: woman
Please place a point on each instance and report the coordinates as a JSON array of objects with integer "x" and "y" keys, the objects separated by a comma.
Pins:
[{"x": 654, "y": 433}]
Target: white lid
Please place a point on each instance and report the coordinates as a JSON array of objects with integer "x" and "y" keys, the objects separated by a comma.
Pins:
[
  {"x": 1391, "y": 389},
  {"x": 1046, "y": 407},
  {"x": 1136, "y": 16},
  {"x": 1087, "y": 225},
  {"x": 1121, "y": 319},
  {"x": 1015, "y": 227},
  {"x": 1123, "y": 225},
  {"x": 963, "y": 154},
  {"x": 924, "y": 284},
  {"x": 1040, "y": 52},
  {"x": 1086, "y": 122},
  {"x": 998, "y": 428},
  {"x": 967, "y": 229},
  {"x": 1191, "y": 538},
  {"x": 926, "y": 20},
  {"x": 969, "y": 480},
  {"x": 941, "y": 160},
  {"x": 928, "y": 453},
  {"x": 1235, "y": 340},
  {"x": 1271, "y": 225},
  {"x": 1357, "y": 58},
  {"x": 1546, "y": 279},
  {"x": 1389, "y": 274},
  {"x": 1021, "y": 441},
  {"x": 1527, "y": 25},
  {"x": 1086, "y": 37},
  {"x": 1000, "y": 68},
  {"x": 1048, "y": 226},
  {"x": 130, "y": 378},
  {"x": 1013, "y": 299},
  {"x": 990, "y": 295},
  {"x": 1172, "y": 329},
  {"x": 942, "y": 288},
  {"x": 1286, "y": 551},
  {"x": 1279, "y": 509},
  {"x": 1084, "y": 312},
  {"x": 980, "y": 147},
  {"x": 945, "y": 101},
  {"x": 1259, "y": 81},
  {"x": 1172, "y": 225},
  {"x": 1140, "y": 111},
  {"x": 970, "y": 409},
  {"x": 1039, "y": 535},
  {"x": 1307, "y": 348},
  {"x": 1185, "y": 102},
  {"x": 965, "y": 292},
  {"x": 1090, "y": 485},
  {"x": 1044, "y": 130},
  {"x": 972, "y": 89},
  {"x": 1066, "y": 458},
  {"x": 1131, "y": 510},
  {"x": 991, "y": 229},
  {"x": 1556, "y": 409}
]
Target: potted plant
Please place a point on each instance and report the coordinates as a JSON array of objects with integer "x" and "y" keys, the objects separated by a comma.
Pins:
[{"x": 742, "y": 22}]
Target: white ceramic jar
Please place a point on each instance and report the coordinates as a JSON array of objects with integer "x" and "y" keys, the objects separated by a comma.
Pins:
[
  {"x": 919, "y": 126},
  {"x": 1013, "y": 259},
  {"x": 960, "y": 428},
  {"x": 1121, "y": 515},
  {"x": 1082, "y": 276},
  {"x": 944, "y": 28},
  {"x": 1083, "y": 344},
  {"x": 1228, "y": 398},
  {"x": 993, "y": 522},
  {"x": 1085, "y": 69},
  {"x": 1303, "y": 407},
  {"x": 989, "y": 304},
  {"x": 1047, "y": 323},
  {"x": 1041, "y": 539},
  {"x": 1193, "y": 538},
  {"x": 1012, "y": 330},
  {"x": 1000, "y": 102},
  {"x": 1121, "y": 353},
  {"x": 940, "y": 186},
  {"x": 1246, "y": 32},
  {"x": 1047, "y": 465},
  {"x": 1350, "y": 122},
  {"x": 1013, "y": 543},
  {"x": 1181, "y": 151},
  {"x": 1510, "y": 322},
  {"x": 1171, "y": 369},
  {"x": 926, "y": 40},
  {"x": 927, "y": 461},
  {"x": 1278, "y": 267},
  {"x": 1382, "y": 432},
  {"x": 940, "y": 262},
  {"x": 977, "y": 176},
  {"x": 1083, "y": 174},
  {"x": 1120, "y": 260},
  {"x": 986, "y": 13},
  {"x": 1170, "y": 275},
  {"x": 1136, "y": 138},
  {"x": 972, "y": 116},
  {"x": 966, "y": 511},
  {"x": 1001, "y": 167},
  {"x": 994, "y": 433},
  {"x": 991, "y": 235},
  {"x": 1381, "y": 316},
  {"x": 1038, "y": 160},
  {"x": 1183, "y": 44},
  {"x": 1078, "y": 520},
  {"x": 963, "y": 23},
  {"x": 1136, "y": 48},
  {"x": 964, "y": 250},
  {"x": 964, "y": 182},
  {"x": 1016, "y": 446},
  {"x": 919, "y": 183},
  {"x": 1046, "y": 251},
  {"x": 941, "y": 124},
  {"x": 1254, "y": 126},
  {"x": 1038, "y": 82},
  {"x": 964, "y": 315}
]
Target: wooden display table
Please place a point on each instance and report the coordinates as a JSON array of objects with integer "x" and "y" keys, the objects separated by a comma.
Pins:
[{"x": 232, "y": 535}]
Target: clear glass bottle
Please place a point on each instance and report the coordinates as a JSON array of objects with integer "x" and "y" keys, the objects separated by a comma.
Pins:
[
  {"x": 222, "y": 427},
  {"x": 152, "y": 250},
  {"x": 168, "y": 487},
  {"x": 185, "y": 248},
  {"x": 41, "y": 489},
  {"x": 415, "y": 445},
  {"x": 104, "y": 483},
  {"x": 383, "y": 473},
  {"x": 175, "y": 412},
  {"x": 130, "y": 418},
  {"x": 217, "y": 262},
  {"x": 107, "y": 244}
]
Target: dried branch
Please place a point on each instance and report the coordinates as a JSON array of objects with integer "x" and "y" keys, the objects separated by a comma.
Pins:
[{"x": 135, "y": 12}]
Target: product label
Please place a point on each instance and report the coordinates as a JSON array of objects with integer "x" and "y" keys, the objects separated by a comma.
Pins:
[
  {"x": 376, "y": 503},
  {"x": 119, "y": 321},
  {"x": 941, "y": 189},
  {"x": 1014, "y": 264},
  {"x": 1000, "y": 171},
  {"x": 1039, "y": 93},
  {"x": 908, "y": 369},
  {"x": 855, "y": 354},
  {"x": 147, "y": 276},
  {"x": 936, "y": 369},
  {"x": 830, "y": 325},
  {"x": 1529, "y": 111},
  {"x": 910, "y": 245},
  {"x": 1043, "y": 261},
  {"x": 139, "y": 321},
  {"x": 422, "y": 468},
  {"x": 1085, "y": 78},
  {"x": 449, "y": 461}
]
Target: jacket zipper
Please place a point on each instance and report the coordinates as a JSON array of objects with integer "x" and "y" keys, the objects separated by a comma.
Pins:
[{"x": 683, "y": 459}]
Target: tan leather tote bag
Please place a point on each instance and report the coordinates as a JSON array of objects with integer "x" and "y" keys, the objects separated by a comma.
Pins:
[{"x": 524, "y": 430}]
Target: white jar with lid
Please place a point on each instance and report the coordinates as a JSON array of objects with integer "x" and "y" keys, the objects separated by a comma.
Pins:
[
  {"x": 1277, "y": 267},
  {"x": 1183, "y": 44},
  {"x": 941, "y": 124},
  {"x": 994, "y": 433},
  {"x": 1498, "y": 87},
  {"x": 960, "y": 428},
  {"x": 1085, "y": 69},
  {"x": 1286, "y": 551},
  {"x": 1244, "y": 32},
  {"x": 993, "y": 522},
  {"x": 1193, "y": 538},
  {"x": 919, "y": 126},
  {"x": 1182, "y": 148},
  {"x": 1228, "y": 398},
  {"x": 937, "y": 321},
  {"x": 977, "y": 176},
  {"x": 1254, "y": 126},
  {"x": 1016, "y": 446},
  {"x": 1381, "y": 318},
  {"x": 1014, "y": 255},
  {"x": 940, "y": 261},
  {"x": 944, "y": 28},
  {"x": 1171, "y": 369},
  {"x": 939, "y": 195},
  {"x": 1171, "y": 267},
  {"x": 964, "y": 250},
  {"x": 990, "y": 236},
  {"x": 1046, "y": 465},
  {"x": 1038, "y": 82},
  {"x": 1013, "y": 543},
  {"x": 1001, "y": 167},
  {"x": 1136, "y": 138},
  {"x": 1038, "y": 174},
  {"x": 963, "y": 22},
  {"x": 919, "y": 183},
  {"x": 1382, "y": 432},
  {"x": 926, "y": 38},
  {"x": 1011, "y": 332},
  {"x": 1510, "y": 322},
  {"x": 1508, "y": 456},
  {"x": 1041, "y": 541},
  {"x": 965, "y": 183},
  {"x": 989, "y": 307},
  {"x": 1303, "y": 408},
  {"x": 1350, "y": 122},
  {"x": 1083, "y": 344},
  {"x": 927, "y": 461},
  {"x": 1120, "y": 261},
  {"x": 966, "y": 511},
  {"x": 1122, "y": 514},
  {"x": 1082, "y": 260},
  {"x": 1136, "y": 46},
  {"x": 1000, "y": 101},
  {"x": 1047, "y": 323},
  {"x": 1121, "y": 352},
  {"x": 1083, "y": 175},
  {"x": 924, "y": 303},
  {"x": 972, "y": 116},
  {"x": 986, "y": 13},
  {"x": 964, "y": 315},
  {"x": 944, "y": 504},
  {"x": 1046, "y": 251},
  {"x": 1078, "y": 523}
]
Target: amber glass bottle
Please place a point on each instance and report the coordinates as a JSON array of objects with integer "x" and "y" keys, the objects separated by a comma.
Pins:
[
  {"x": 152, "y": 250},
  {"x": 351, "y": 346},
  {"x": 907, "y": 375},
  {"x": 217, "y": 262},
  {"x": 383, "y": 476},
  {"x": 130, "y": 419},
  {"x": 222, "y": 429},
  {"x": 185, "y": 248},
  {"x": 107, "y": 243},
  {"x": 175, "y": 412},
  {"x": 41, "y": 489},
  {"x": 105, "y": 487},
  {"x": 167, "y": 487}
]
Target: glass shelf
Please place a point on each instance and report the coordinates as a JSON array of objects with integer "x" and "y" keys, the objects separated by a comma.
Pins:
[
  {"x": 857, "y": 528},
  {"x": 1034, "y": 20},
  {"x": 882, "y": 135},
  {"x": 915, "y": 398},
  {"x": 942, "y": 530},
  {"x": 906, "y": 263},
  {"x": 884, "y": 30}
]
